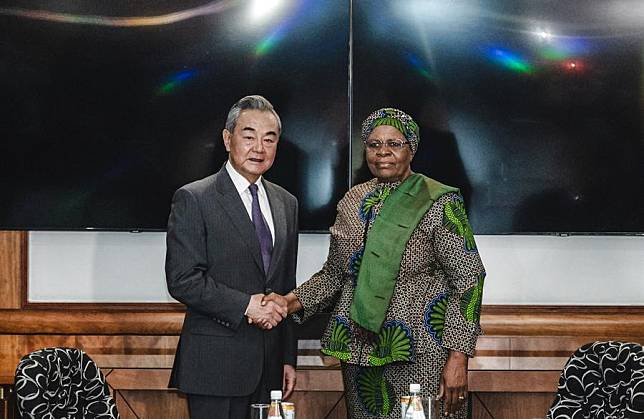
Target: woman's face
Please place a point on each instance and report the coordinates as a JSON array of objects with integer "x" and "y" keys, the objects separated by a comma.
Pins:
[{"x": 388, "y": 164}]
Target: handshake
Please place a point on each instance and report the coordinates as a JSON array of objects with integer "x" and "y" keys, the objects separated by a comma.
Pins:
[{"x": 267, "y": 311}]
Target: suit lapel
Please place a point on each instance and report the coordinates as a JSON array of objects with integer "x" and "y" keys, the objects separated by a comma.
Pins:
[
  {"x": 231, "y": 203},
  {"x": 278, "y": 211}
]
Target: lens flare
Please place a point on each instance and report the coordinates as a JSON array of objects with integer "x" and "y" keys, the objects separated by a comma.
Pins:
[
  {"x": 280, "y": 31},
  {"x": 175, "y": 81},
  {"x": 418, "y": 64},
  {"x": 560, "y": 48},
  {"x": 509, "y": 60}
]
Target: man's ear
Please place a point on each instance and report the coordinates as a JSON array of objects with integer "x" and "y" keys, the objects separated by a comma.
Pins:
[{"x": 226, "y": 135}]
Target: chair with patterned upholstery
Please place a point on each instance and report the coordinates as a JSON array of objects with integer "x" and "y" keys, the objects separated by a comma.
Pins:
[
  {"x": 601, "y": 380},
  {"x": 56, "y": 383}
]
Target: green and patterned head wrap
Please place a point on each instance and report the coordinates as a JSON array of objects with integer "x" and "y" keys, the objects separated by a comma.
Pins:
[{"x": 395, "y": 118}]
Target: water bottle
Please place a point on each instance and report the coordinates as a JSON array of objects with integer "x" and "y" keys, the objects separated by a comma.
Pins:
[
  {"x": 275, "y": 411},
  {"x": 415, "y": 406}
]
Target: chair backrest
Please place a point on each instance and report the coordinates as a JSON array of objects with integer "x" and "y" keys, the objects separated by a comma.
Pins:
[
  {"x": 56, "y": 383},
  {"x": 602, "y": 380}
]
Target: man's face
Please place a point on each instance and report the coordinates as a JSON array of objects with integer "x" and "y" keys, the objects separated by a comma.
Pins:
[{"x": 253, "y": 144}]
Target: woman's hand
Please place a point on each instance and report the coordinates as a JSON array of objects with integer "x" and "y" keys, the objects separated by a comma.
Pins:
[
  {"x": 293, "y": 304},
  {"x": 453, "y": 386}
]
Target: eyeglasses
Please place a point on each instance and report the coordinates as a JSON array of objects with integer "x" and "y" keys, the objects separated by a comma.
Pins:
[{"x": 392, "y": 144}]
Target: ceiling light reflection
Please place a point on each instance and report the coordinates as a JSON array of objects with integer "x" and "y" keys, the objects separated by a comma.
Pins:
[
  {"x": 129, "y": 21},
  {"x": 543, "y": 35},
  {"x": 260, "y": 10}
]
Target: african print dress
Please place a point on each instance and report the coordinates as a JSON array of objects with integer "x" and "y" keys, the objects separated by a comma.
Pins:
[{"x": 435, "y": 306}]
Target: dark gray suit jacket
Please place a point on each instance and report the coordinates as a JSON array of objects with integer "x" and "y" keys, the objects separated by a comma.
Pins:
[{"x": 213, "y": 266}]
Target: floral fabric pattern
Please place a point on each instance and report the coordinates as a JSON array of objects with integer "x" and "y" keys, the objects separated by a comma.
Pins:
[
  {"x": 339, "y": 341},
  {"x": 455, "y": 218},
  {"x": 435, "y": 317},
  {"x": 394, "y": 344}
]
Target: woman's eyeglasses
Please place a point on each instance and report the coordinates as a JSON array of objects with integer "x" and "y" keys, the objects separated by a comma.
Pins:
[{"x": 392, "y": 144}]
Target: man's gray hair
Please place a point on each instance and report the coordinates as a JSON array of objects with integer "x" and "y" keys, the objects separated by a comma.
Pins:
[{"x": 254, "y": 102}]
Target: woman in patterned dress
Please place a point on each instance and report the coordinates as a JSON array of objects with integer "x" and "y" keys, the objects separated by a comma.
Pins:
[{"x": 405, "y": 279}]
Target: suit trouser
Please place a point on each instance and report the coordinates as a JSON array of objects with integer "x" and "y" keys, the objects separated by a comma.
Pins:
[{"x": 214, "y": 407}]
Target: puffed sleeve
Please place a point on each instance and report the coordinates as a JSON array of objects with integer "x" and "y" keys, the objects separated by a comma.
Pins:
[
  {"x": 459, "y": 257},
  {"x": 322, "y": 289}
]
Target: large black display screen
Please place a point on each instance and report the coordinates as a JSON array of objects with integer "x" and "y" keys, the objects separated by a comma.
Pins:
[
  {"x": 108, "y": 107},
  {"x": 535, "y": 109}
]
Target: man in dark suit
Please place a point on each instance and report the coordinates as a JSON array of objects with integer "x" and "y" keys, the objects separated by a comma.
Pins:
[{"x": 232, "y": 238}]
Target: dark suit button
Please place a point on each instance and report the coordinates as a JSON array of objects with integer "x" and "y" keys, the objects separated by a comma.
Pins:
[{"x": 227, "y": 324}]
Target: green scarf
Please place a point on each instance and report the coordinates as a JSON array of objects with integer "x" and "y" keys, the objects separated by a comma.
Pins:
[{"x": 386, "y": 242}]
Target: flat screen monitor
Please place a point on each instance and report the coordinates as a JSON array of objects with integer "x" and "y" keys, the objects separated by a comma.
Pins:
[
  {"x": 535, "y": 109},
  {"x": 108, "y": 107}
]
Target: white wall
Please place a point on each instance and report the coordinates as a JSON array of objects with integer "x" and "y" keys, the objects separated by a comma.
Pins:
[{"x": 128, "y": 267}]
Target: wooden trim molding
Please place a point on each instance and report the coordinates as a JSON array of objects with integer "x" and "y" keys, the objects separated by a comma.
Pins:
[
  {"x": 82, "y": 322},
  {"x": 106, "y": 307},
  {"x": 13, "y": 268},
  {"x": 602, "y": 323},
  {"x": 496, "y": 309}
]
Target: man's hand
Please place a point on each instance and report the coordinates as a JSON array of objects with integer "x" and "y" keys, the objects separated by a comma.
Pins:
[
  {"x": 453, "y": 386},
  {"x": 265, "y": 315},
  {"x": 289, "y": 301},
  {"x": 288, "y": 381}
]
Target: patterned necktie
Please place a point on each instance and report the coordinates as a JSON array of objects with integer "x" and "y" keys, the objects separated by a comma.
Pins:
[{"x": 261, "y": 229}]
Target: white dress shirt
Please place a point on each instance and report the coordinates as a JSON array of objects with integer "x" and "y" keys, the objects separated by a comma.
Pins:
[{"x": 242, "y": 184}]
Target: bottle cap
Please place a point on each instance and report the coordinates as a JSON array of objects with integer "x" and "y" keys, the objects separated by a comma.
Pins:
[
  {"x": 414, "y": 388},
  {"x": 276, "y": 394}
]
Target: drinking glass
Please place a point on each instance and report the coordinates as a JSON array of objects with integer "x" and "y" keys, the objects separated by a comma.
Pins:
[{"x": 259, "y": 410}]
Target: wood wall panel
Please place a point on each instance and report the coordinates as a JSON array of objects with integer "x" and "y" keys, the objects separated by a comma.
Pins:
[
  {"x": 139, "y": 379},
  {"x": 319, "y": 380},
  {"x": 515, "y": 372},
  {"x": 125, "y": 412},
  {"x": 13, "y": 267},
  {"x": 513, "y": 381},
  {"x": 511, "y": 406},
  {"x": 319, "y": 405},
  {"x": 107, "y": 351},
  {"x": 11, "y": 350},
  {"x": 140, "y": 404},
  {"x": 137, "y": 404}
]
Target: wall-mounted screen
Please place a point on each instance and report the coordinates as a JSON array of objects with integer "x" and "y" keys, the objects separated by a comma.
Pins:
[
  {"x": 535, "y": 109},
  {"x": 109, "y": 107}
]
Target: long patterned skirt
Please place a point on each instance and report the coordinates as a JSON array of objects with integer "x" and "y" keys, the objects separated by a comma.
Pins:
[{"x": 374, "y": 392}]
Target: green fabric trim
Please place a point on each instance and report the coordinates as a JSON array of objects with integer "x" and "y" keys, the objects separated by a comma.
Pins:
[{"x": 386, "y": 242}]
